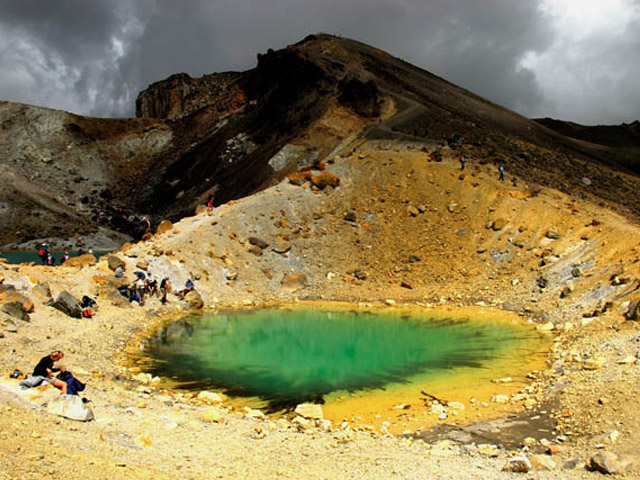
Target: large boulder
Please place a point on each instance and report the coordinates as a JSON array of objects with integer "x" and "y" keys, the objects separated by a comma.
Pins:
[
  {"x": 164, "y": 226},
  {"x": 194, "y": 299},
  {"x": 109, "y": 291},
  {"x": 606, "y": 462},
  {"x": 293, "y": 282},
  {"x": 114, "y": 262},
  {"x": 16, "y": 310},
  {"x": 71, "y": 407},
  {"x": 68, "y": 305},
  {"x": 325, "y": 179},
  {"x": 42, "y": 291},
  {"x": 258, "y": 242},
  {"x": 13, "y": 296},
  {"x": 81, "y": 261},
  {"x": 6, "y": 287}
]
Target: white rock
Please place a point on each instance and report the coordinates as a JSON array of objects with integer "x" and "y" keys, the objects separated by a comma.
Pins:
[
  {"x": 520, "y": 464},
  {"x": 71, "y": 407},
  {"x": 309, "y": 410},
  {"x": 503, "y": 380},
  {"x": 542, "y": 462},
  {"x": 210, "y": 398},
  {"x": 145, "y": 378},
  {"x": 627, "y": 359},
  {"x": 594, "y": 363},
  {"x": 459, "y": 406},
  {"x": 252, "y": 413},
  {"x": 437, "y": 409},
  {"x": 613, "y": 437},
  {"x": 500, "y": 399},
  {"x": 545, "y": 327}
]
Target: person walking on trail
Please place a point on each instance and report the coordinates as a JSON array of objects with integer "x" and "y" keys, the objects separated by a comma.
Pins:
[
  {"x": 146, "y": 221},
  {"x": 463, "y": 161},
  {"x": 501, "y": 170},
  {"x": 210, "y": 204}
]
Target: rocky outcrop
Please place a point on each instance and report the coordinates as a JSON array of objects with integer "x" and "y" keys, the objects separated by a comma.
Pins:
[{"x": 181, "y": 95}]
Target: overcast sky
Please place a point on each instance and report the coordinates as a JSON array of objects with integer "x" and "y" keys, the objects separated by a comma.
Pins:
[{"x": 574, "y": 60}]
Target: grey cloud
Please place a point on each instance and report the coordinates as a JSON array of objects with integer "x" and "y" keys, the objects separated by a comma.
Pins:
[{"x": 93, "y": 57}]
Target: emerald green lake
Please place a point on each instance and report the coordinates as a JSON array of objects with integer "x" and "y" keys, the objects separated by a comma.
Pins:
[{"x": 287, "y": 356}]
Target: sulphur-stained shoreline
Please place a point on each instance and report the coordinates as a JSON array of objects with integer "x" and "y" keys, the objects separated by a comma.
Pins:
[{"x": 372, "y": 408}]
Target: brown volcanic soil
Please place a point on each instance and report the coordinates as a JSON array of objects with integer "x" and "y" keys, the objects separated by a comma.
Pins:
[{"x": 480, "y": 244}]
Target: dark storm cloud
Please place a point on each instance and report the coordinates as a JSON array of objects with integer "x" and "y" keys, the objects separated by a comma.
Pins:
[{"x": 93, "y": 57}]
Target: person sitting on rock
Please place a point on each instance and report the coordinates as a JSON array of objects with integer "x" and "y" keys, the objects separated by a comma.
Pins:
[
  {"x": 189, "y": 286},
  {"x": 43, "y": 372},
  {"x": 119, "y": 272}
]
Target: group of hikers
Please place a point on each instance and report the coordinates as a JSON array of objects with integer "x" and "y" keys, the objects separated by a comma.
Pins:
[
  {"x": 145, "y": 285},
  {"x": 47, "y": 258},
  {"x": 458, "y": 140}
]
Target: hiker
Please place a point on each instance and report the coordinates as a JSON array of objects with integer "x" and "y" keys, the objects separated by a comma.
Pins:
[
  {"x": 151, "y": 286},
  {"x": 43, "y": 253},
  {"x": 463, "y": 161},
  {"x": 87, "y": 302},
  {"x": 43, "y": 372},
  {"x": 139, "y": 286},
  {"x": 129, "y": 292},
  {"x": 501, "y": 170},
  {"x": 210, "y": 204},
  {"x": 188, "y": 286},
  {"x": 148, "y": 223},
  {"x": 64, "y": 257},
  {"x": 165, "y": 288}
]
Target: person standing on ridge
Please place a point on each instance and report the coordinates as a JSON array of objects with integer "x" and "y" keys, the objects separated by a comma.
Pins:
[
  {"x": 501, "y": 170},
  {"x": 463, "y": 161}
]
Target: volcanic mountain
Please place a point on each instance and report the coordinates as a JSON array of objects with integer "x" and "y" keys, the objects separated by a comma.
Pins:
[{"x": 77, "y": 179}]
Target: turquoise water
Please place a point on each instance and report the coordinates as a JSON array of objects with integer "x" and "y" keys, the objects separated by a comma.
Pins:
[
  {"x": 32, "y": 256},
  {"x": 285, "y": 357}
]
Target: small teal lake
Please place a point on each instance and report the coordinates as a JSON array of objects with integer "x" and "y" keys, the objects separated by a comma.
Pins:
[
  {"x": 287, "y": 356},
  {"x": 32, "y": 256}
]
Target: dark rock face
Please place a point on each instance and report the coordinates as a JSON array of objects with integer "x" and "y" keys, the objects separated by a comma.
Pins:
[
  {"x": 181, "y": 95},
  {"x": 361, "y": 97}
]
